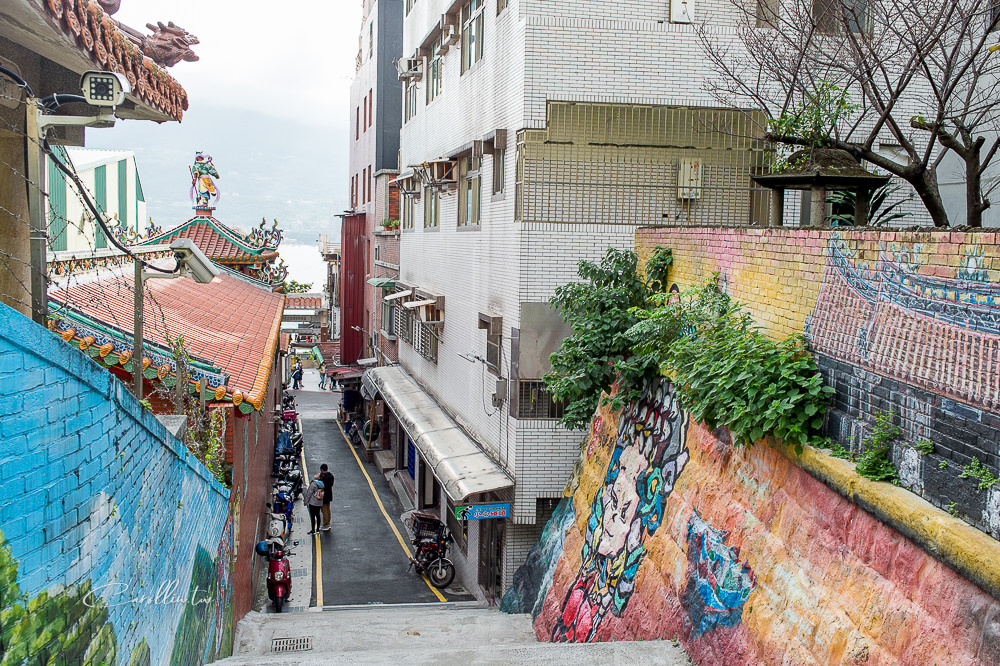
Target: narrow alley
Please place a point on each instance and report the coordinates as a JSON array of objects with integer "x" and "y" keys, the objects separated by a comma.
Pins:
[{"x": 364, "y": 557}]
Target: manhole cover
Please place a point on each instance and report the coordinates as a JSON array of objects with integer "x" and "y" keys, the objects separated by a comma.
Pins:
[{"x": 291, "y": 644}]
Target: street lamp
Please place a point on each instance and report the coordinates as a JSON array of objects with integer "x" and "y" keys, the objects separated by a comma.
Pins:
[{"x": 191, "y": 262}]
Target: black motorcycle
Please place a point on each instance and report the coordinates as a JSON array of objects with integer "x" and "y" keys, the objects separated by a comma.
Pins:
[{"x": 430, "y": 539}]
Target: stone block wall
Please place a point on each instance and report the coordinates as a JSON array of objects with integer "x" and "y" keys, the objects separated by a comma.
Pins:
[
  {"x": 906, "y": 323},
  {"x": 753, "y": 555},
  {"x": 115, "y": 542}
]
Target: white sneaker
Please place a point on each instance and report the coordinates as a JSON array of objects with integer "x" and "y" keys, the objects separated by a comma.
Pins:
[{"x": 325, "y": 528}]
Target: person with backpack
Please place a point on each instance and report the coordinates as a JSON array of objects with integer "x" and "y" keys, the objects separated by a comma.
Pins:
[
  {"x": 297, "y": 377},
  {"x": 326, "y": 476},
  {"x": 313, "y": 499}
]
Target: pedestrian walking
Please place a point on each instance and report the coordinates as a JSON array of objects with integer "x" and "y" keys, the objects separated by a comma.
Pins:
[
  {"x": 322, "y": 376},
  {"x": 297, "y": 377},
  {"x": 313, "y": 499},
  {"x": 326, "y": 476}
]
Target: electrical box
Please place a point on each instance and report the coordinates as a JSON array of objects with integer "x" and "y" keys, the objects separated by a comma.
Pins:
[
  {"x": 689, "y": 179},
  {"x": 682, "y": 11},
  {"x": 501, "y": 393}
]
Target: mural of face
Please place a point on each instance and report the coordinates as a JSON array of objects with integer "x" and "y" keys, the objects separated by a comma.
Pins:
[{"x": 650, "y": 453}]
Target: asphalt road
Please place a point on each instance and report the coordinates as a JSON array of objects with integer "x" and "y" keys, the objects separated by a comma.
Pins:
[{"x": 360, "y": 560}]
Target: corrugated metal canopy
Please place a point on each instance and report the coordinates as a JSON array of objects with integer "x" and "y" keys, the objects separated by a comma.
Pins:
[{"x": 459, "y": 464}]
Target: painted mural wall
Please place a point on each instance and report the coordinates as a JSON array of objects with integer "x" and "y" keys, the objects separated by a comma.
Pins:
[
  {"x": 116, "y": 545},
  {"x": 667, "y": 531},
  {"x": 900, "y": 322}
]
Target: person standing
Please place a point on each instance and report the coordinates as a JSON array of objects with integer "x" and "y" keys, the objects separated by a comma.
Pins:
[
  {"x": 326, "y": 476},
  {"x": 322, "y": 375},
  {"x": 297, "y": 377},
  {"x": 314, "y": 500}
]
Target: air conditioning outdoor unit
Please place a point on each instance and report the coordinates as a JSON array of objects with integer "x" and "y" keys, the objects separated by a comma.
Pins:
[{"x": 409, "y": 69}]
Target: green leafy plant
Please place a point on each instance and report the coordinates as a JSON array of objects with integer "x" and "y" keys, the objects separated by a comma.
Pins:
[
  {"x": 146, "y": 404},
  {"x": 925, "y": 447},
  {"x": 600, "y": 309},
  {"x": 943, "y": 464},
  {"x": 952, "y": 508},
  {"x": 293, "y": 287},
  {"x": 838, "y": 451},
  {"x": 727, "y": 373},
  {"x": 879, "y": 214},
  {"x": 875, "y": 462},
  {"x": 980, "y": 472},
  {"x": 813, "y": 119},
  {"x": 389, "y": 224}
]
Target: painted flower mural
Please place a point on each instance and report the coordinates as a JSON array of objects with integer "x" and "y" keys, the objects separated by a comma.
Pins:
[{"x": 650, "y": 453}]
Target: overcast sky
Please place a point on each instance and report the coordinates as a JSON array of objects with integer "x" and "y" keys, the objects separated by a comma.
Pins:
[{"x": 268, "y": 100}]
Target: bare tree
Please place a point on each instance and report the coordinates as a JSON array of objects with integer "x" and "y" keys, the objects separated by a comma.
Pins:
[{"x": 918, "y": 71}]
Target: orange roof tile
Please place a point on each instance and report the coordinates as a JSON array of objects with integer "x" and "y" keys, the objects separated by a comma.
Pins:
[
  {"x": 218, "y": 242},
  {"x": 99, "y": 37},
  {"x": 229, "y": 322}
]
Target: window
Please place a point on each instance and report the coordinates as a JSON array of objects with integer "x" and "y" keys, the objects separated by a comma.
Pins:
[
  {"x": 434, "y": 78},
  {"x": 371, "y": 39},
  {"x": 494, "y": 340},
  {"x": 407, "y": 204},
  {"x": 354, "y": 191},
  {"x": 826, "y": 16},
  {"x": 389, "y": 319},
  {"x": 370, "y": 109},
  {"x": 410, "y": 100},
  {"x": 370, "y": 183},
  {"x": 993, "y": 16},
  {"x": 409, "y": 5},
  {"x": 423, "y": 340},
  {"x": 535, "y": 402},
  {"x": 470, "y": 187},
  {"x": 501, "y": 5},
  {"x": 498, "y": 167},
  {"x": 472, "y": 33},
  {"x": 767, "y": 13},
  {"x": 357, "y": 123},
  {"x": 432, "y": 208}
]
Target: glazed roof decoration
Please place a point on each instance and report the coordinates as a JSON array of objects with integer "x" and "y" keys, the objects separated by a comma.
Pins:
[
  {"x": 114, "y": 47},
  {"x": 130, "y": 236},
  {"x": 169, "y": 44},
  {"x": 229, "y": 325},
  {"x": 223, "y": 244}
]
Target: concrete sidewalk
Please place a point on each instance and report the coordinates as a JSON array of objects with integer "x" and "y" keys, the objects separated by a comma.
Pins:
[{"x": 462, "y": 633}]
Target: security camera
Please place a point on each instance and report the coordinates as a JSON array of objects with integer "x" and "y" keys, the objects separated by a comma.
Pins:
[
  {"x": 192, "y": 262},
  {"x": 104, "y": 88}
]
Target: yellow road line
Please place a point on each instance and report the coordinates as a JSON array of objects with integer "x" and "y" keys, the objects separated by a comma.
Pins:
[
  {"x": 319, "y": 551},
  {"x": 385, "y": 514}
]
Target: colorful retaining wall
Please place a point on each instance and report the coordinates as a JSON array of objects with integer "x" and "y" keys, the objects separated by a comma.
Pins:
[
  {"x": 901, "y": 322},
  {"x": 668, "y": 531},
  {"x": 116, "y": 545}
]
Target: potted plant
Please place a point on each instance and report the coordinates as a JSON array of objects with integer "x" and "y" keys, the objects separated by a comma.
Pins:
[{"x": 390, "y": 225}]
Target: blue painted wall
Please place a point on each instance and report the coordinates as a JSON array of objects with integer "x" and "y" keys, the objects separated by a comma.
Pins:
[{"x": 101, "y": 506}]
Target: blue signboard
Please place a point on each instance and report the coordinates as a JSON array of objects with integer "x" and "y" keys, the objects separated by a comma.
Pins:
[{"x": 482, "y": 511}]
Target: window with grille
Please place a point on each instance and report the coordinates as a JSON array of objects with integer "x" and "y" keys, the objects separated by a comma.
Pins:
[
  {"x": 469, "y": 192},
  {"x": 404, "y": 329},
  {"x": 534, "y": 401},
  {"x": 493, "y": 325},
  {"x": 423, "y": 340},
  {"x": 472, "y": 33},
  {"x": 432, "y": 208},
  {"x": 434, "y": 65}
]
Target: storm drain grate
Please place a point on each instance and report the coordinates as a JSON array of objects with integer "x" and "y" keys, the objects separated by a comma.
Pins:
[
  {"x": 291, "y": 644},
  {"x": 299, "y": 573}
]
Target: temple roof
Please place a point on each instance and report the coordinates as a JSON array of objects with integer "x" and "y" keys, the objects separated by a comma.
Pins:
[
  {"x": 224, "y": 244},
  {"x": 230, "y": 327},
  {"x": 96, "y": 41}
]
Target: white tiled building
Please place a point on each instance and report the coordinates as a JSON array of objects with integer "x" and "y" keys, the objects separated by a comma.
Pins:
[{"x": 536, "y": 133}]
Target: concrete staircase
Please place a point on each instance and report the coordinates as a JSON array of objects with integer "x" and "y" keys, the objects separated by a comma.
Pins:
[{"x": 458, "y": 633}]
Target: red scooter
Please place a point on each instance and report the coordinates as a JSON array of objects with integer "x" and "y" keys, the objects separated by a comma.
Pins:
[{"x": 279, "y": 571}]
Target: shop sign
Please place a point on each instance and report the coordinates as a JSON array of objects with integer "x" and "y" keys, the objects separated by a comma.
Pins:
[{"x": 482, "y": 511}]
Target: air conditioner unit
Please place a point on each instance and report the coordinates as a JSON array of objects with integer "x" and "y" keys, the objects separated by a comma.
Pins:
[{"x": 409, "y": 68}]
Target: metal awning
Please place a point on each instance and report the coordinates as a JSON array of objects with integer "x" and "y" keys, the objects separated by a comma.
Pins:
[
  {"x": 412, "y": 305},
  {"x": 384, "y": 282},
  {"x": 398, "y": 294},
  {"x": 457, "y": 461}
]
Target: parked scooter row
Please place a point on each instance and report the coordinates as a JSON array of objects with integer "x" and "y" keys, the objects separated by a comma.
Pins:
[{"x": 286, "y": 489}]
